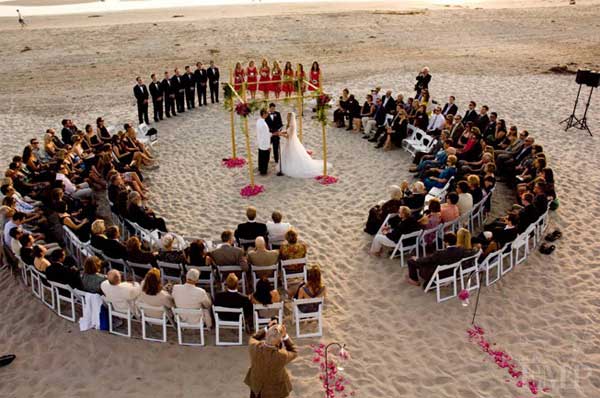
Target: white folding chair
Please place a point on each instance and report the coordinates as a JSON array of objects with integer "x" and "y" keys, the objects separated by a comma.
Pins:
[
  {"x": 225, "y": 270},
  {"x": 64, "y": 293},
  {"x": 118, "y": 314},
  {"x": 46, "y": 287},
  {"x": 491, "y": 262},
  {"x": 437, "y": 281},
  {"x": 439, "y": 193},
  {"x": 182, "y": 325},
  {"x": 96, "y": 252},
  {"x": 24, "y": 268},
  {"x": 467, "y": 266},
  {"x": 138, "y": 270},
  {"x": 308, "y": 316},
  {"x": 259, "y": 321},
  {"x": 206, "y": 282},
  {"x": 170, "y": 272},
  {"x": 226, "y": 324},
  {"x": 79, "y": 296},
  {"x": 425, "y": 236},
  {"x": 272, "y": 269},
  {"x": 507, "y": 253},
  {"x": 161, "y": 320},
  {"x": 521, "y": 246},
  {"x": 406, "y": 243},
  {"x": 36, "y": 283},
  {"x": 289, "y": 274},
  {"x": 118, "y": 264}
]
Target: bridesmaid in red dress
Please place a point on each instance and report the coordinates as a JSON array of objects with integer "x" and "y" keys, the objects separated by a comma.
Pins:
[
  {"x": 238, "y": 77},
  {"x": 315, "y": 76},
  {"x": 265, "y": 77},
  {"x": 301, "y": 75},
  {"x": 276, "y": 77},
  {"x": 252, "y": 76},
  {"x": 288, "y": 77}
]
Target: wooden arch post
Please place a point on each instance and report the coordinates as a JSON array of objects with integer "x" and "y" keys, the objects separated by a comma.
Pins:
[
  {"x": 232, "y": 117},
  {"x": 300, "y": 100},
  {"x": 247, "y": 134}
]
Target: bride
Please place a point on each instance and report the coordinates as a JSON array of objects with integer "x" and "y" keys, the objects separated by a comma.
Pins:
[{"x": 295, "y": 161}]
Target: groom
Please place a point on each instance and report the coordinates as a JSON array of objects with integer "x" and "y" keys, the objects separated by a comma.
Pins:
[
  {"x": 263, "y": 139},
  {"x": 275, "y": 126}
]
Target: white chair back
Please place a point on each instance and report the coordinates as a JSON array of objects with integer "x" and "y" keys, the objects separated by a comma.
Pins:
[
  {"x": 225, "y": 270},
  {"x": 225, "y": 324},
  {"x": 149, "y": 316},
  {"x": 302, "y": 315},
  {"x": 288, "y": 271},
  {"x": 181, "y": 324},
  {"x": 438, "y": 281},
  {"x": 64, "y": 294},
  {"x": 271, "y": 269},
  {"x": 260, "y": 321}
]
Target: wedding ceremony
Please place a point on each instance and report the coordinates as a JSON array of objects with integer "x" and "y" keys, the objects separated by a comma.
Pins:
[{"x": 299, "y": 199}]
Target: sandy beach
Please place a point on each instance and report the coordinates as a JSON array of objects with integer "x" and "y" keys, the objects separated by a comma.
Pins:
[{"x": 545, "y": 313}]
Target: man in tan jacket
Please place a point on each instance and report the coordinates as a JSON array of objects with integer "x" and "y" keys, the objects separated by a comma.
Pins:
[
  {"x": 260, "y": 256},
  {"x": 271, "y": 349}
]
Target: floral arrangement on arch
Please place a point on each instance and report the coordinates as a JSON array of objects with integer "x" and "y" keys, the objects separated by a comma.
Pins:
[
  {"x": 323, "y": 104},
  {"x": 244, "y": 109}
]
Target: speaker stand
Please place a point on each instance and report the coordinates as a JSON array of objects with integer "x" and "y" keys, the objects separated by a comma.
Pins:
[{"x": 574, "y": 121}]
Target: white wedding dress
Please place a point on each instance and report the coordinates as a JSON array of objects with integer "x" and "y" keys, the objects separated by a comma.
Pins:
[{"x": 295, "y": 161}]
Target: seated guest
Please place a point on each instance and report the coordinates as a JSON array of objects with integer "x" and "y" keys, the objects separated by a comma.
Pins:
[
  {"x": 368, "y": 111},
  {"x": 352, "y": 113},
  {"x": 168, "y": 253},
  {"x": 421, "y": 119},
  {"x": 437, "y": 160},
  {"x": 113, "y": 247},
  {"x": 340, "y": 113},
  {"x": 265, "y": 295},
  {"x": 277, "y": 229},
  {"x": 528, "y": 213},
  {"x": 396, "y": 131},
  {"x": 450, "y": 210},
  {"x": 403, "y": 223},
  {"x": 416, "y": 199},
  {"x": 486, "y": 243},
  {"x": 227, "y": 254},
  {"x": 79, "y": 191},
  {"x": 40, "y": 262},
  {"x": 425, "y": 266},
  {"x": 231, "y": 298},
  {"x": 92, "y": 277},
  {"x": 379, "y": 212},
  {"x": 463, "y": 238},
  {"x": 504, "y": 229},
  {"x": 98, "y": 238},
  {"x": 313, "y": 288},
  {"x": 262, "y": 257},
  {"x": 26, "y": 252},
  {"x": 251, "y": 229},
  {"x": 475, "y": 188},
  {"x": 436, "y": 122},
  {"x": 476, "y": 167},
  {"x": 154, "y": 295},
  {"x": 471, "y": 151},
  {"x": 136, "y": 254},
  {"x": 81, "y": 228},
  {"x": 443, "y": 176},
  {"x": 292, "y": 248},
  {"x": 431, "y": 219},
  {"x": 16, "y": 234},
  {"x": 60, "y": 273},
  {"x": 121, "y": 295},
  {"x": 142, "y": 216},
  {"x": 465, "y": 200},
  {"x": 189, "y": 296},
  {"x": 540, "y": 200}
]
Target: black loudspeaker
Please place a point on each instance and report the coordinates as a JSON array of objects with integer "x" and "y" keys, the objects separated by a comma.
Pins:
[{"x": 588, "y": 77}]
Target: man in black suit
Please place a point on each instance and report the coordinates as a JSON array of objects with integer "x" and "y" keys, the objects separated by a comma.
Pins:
[
  {"x": 528, "y": 214},
  {"x": 213, "y": 82},
  {"x": 157, "y": 98},
  {"x": 67, "y": 133},
  {"x": 113, "y": 247},
  {"x": 231, "y": 298},
  {"x": 490, "y": 130},
  {"x": 423, "y": 80},
  {"x": 352, "y": 111},
  {"x": 190, "y": 88},
  {"x": 60, "y": 273},
  {"x": 540, "y": 202},
  {"x": 141, "y": 95},
  {"x": 470, "y": 114},
  {"x": 201, "y": 79},
  {"x": 425, "y": 266},
  {"x": 251, "y": 229},
  {"x": 275, "y": 125},
  {"x": 389, "y": 103},
  {"x": 169, "y": 94},
  {"x": 179, "y": 88},
  {"x": 483, "y": 119},
  {"x": 450, "y": 108}
]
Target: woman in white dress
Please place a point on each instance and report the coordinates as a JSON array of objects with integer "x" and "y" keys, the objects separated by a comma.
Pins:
[{"x": 295, "y": 161}]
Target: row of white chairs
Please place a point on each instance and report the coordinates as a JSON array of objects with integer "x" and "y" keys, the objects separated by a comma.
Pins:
[{"x": 419, "y": 141}]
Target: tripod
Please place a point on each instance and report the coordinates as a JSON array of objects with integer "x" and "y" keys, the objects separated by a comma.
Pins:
[{"x": 573, "y": 121}]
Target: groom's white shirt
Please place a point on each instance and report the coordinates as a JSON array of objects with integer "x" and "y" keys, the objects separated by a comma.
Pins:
[{"x": 263, "y": 135}]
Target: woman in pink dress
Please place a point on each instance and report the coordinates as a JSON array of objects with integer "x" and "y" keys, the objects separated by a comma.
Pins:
[
  {"x": 288, "y": 79},
  {"x": 265, "y": 78},
  {"x": 238, "y": 77},
  {"x": 315, "y": 76},
  {"x": 276, "y": 77},
  {"x": 252, "y": 77}
]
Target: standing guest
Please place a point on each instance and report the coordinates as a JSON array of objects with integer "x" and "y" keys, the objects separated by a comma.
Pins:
[
  {"x": 157, "y": 98},
  {"x": 277, "y": 229},
  {"x": 169, "y": 92},
  {"x": 270, "y": 352},
  {"x": 227, "y": 254},
  {"x": 92, "y": 278},
  {"x": 251, "y": 78},
  {"x": 179, "y": 89},
  {"x": 238, "y": 77},
  {"x": 141, "y": 95},
  {"x": 190, "y": 88},
  {"x": 201, "y": 79},
  {"x": 21, "y": 19},
  {"x": 213, "y": 82},
  {"x": 450, "y": 107},
  {"x": 121, "y": 295},
  {"x": 251, "y": 229},
  {"x": 423, "y": 79},
  {"x": 189, "y": 296},
  {"x": 315, "y": 76},
  {"x": 288, "y": 79},
  {"x": 265, "y": 77},
  {"x": 470, "y": 114},
  {"x": 276, "y": 76},
  {"x": 263, "y": 139},
  {"x": 275, "y": 126}
]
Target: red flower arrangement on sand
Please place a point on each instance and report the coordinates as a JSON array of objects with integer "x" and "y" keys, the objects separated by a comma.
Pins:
[
  {"x": 464, "y": 295},
  {"x": 232, "y": 163},
  {"x": 338, "y": 385},
  {"x": 503, "y": 360},
  {"x": 250, "y": 190},
  {"x": 242, "y": 109},
  {"x": 326, "y": 180}
]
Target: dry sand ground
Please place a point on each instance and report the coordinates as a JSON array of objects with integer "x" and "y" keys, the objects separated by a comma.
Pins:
[{"x": 403, "y": 344}]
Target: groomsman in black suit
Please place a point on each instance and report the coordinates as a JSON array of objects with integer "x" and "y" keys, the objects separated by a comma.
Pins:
[
  {"x": 201, "y": 78},
  {"x": 190, "y": 88},
  {"x": 169, "y": 94},
  {"x": 275, "y": 125},
  {"x": 157, "y": 98},
  {"x": 213, "y": 81},
  {"x": 389, "y": 103},
  {"x": 450, "y": 108},
  {"x": 470, "y": 114},
  {"x": 179, "y": 88},
  {"x": 141, "y": 95}
]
